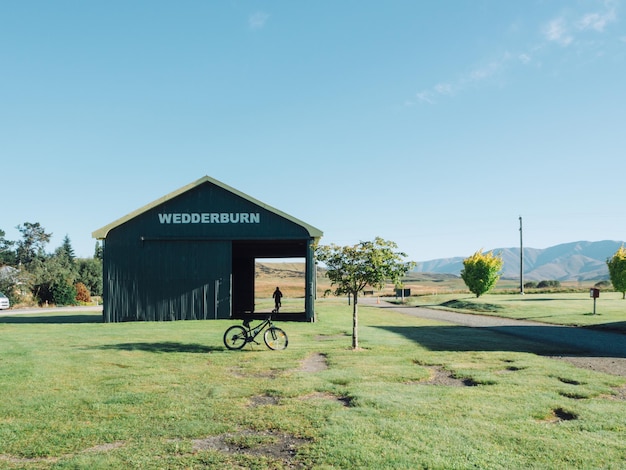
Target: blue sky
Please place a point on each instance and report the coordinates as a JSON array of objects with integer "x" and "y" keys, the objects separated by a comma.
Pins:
[{"x": 432, "y": 124}]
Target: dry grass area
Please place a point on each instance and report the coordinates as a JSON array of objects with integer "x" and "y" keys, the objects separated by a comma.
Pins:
[{"x": 290, "y": 278}]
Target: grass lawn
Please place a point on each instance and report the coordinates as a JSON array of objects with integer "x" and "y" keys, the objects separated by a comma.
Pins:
[
  {"x": 562, "y": 308},
  {"x": 80, "y": 394}
]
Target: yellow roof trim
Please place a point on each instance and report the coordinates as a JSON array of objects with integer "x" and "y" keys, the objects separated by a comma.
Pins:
[{"x": 102, "y": 233}]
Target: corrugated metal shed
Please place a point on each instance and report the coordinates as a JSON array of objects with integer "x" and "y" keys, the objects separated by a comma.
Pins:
[{"x": 191, "y": 255}]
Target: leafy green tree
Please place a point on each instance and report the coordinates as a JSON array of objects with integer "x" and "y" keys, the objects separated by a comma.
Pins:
[
  {"x": 53, "y": 281},
  {"x": 90, "y": 274},
  {"x": 617, "y": 270},
  {"x": 481, "y": 272},
  {"x": 7, "y": 255},
  {"x": 33, "y": 243},
  {"x": 352, "y": 268}
]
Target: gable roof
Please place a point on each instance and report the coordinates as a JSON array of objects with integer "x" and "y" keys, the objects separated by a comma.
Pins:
[{"x": 102, "y": 233}]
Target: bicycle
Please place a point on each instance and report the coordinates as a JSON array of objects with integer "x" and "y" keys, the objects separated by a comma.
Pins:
[{"x": 237, "y": 336}]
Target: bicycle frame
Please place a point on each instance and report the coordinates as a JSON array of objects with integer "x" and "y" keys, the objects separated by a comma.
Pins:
[
  {"x": 252, "y": 333},
  {"x": 237, "y": 336}
]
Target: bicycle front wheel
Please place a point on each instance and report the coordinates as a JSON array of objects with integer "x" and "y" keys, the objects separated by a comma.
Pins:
[
  {"x": 235, "y": 337},
  {"x": 275, "y": 338}
]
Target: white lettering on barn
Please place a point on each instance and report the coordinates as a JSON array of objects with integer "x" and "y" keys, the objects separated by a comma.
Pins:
[{"x": 210, "y": 218}]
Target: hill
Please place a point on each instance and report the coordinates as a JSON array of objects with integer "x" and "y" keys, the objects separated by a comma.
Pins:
[{"x": 578, "y": 261}]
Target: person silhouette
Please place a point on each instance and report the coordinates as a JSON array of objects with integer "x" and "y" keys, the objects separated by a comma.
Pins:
[{"x": 278, "y": 295}]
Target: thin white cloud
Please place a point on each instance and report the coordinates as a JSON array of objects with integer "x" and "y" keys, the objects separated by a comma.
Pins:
[
  {"x": 449, "y": 89},
  {"x": 425, "y": 97},
  {"x": 557, "y": 31},
  {"x": 562, "y": 30},
  {"x": 257, "y": 20},
  {"x": 444, "y": 89},
  {"x": 598, "y": 21},
  {"x": 488, "y": 70}
]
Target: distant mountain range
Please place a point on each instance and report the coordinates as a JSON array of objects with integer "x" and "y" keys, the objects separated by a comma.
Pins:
[{"x": 576, "y": 261}]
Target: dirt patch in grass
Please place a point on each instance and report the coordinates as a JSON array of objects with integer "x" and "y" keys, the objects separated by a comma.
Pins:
[
  {"x": 608, "y": 365},
  {"x": 314, "y": 363},
  {"x": 263, "y": 400},
  {"x": 278, "y": 446},
  {"x": 51, "y": 460},
  {"x": 345, "y": 401},
  {"x": 440, "y": 376},
  {"x": 558, "y": 415}
]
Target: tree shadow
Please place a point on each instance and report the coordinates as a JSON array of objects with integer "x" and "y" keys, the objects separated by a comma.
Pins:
[
  {"x": 615, "y": 327},
  {"x": 538, "y": 340},
  {"x": 52, "y": 319},
  {"x": 163, "y": 347}
]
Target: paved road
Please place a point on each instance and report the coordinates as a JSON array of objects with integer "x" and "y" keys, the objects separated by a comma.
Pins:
[
  {"x": 586, "y": 341},
  {"x": 20, "y": 311}
]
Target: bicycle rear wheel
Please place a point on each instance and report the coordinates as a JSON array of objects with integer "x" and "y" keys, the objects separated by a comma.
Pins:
[
  {"x": 235, "y": 337},
  {"x": 275, "y": 338}
]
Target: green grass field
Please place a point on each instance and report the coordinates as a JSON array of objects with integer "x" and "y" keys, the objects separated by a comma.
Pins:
[{"x": 79, "y": 394}]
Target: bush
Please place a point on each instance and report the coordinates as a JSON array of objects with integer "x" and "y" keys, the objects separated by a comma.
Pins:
[
  {"x": 63, "y": 293},
  {"x": 602, "y": 284},
  {"x": 530, "y": 285},
  {"x": 544, "y": 284},
  {"x": 82, "y": 293}
]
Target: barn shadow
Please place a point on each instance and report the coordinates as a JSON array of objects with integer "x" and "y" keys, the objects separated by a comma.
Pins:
[
  {"x": 538, "y": 340},
  {"x": 163, "y": 347}
]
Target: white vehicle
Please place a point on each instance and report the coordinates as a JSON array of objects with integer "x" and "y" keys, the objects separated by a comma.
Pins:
[{"x": 4, "y": 301}]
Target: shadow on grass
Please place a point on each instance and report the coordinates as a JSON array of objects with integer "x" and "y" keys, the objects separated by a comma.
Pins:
[
  {"x": 59, "y": 319},
  {"x": 163, "y": 347},
  {"x": 530, "y": 339},
  {"x": 526, "y": 299}
]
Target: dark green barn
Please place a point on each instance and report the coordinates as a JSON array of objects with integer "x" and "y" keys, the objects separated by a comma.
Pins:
[{"x": 191, "y": 255}]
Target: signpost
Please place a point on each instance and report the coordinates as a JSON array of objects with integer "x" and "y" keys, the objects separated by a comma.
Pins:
[{"x": 594, "y": 293}]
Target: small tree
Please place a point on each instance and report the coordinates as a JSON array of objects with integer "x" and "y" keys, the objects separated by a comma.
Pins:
[
  {"x": 65, "y": 251},
  {"x": 617, "y": 270},
  {"x": 481, "y": 272},
  {"x": 351, "y": 268}
]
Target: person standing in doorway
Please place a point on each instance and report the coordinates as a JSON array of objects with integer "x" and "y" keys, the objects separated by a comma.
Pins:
[{"x": 278, "y": 295}]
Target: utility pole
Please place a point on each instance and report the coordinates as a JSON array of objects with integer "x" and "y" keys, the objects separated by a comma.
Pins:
[{"x": 521, "y": 259}]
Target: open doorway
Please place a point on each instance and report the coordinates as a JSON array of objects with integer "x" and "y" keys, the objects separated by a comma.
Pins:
[{"x": 258, "y": 268}]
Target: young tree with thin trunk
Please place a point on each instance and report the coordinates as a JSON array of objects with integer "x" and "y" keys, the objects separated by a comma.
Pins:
[
  {"x": 481, "y": 272},
  {"x": 352, "y": 268}
]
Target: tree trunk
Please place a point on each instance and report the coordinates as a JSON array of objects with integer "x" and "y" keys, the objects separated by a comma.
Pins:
[{"x": 355, "y": 322}]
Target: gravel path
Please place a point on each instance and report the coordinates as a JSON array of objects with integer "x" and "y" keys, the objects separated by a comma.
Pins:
[{"x": 598, "y": 350}]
